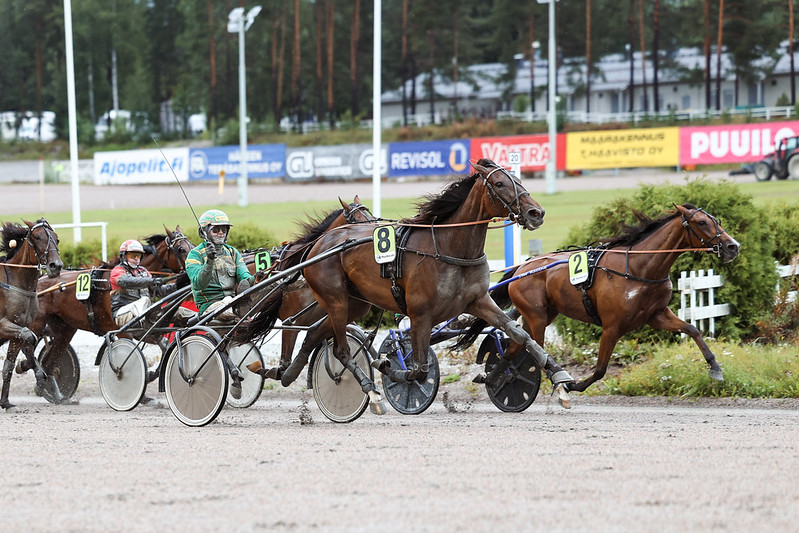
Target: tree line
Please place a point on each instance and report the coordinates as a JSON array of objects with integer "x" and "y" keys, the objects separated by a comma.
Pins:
[{"x": 311, "y": 59}]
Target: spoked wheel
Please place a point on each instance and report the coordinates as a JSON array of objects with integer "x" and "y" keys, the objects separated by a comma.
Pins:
[
  {"x": 61, "y": 363},
  {"x": 412, "y": 397},
  {"x": 252, "y": 384},
  {"x": 519, "y": 386},
  {"x": 197, "y": 398},
  {"x": 123, "y": 375},
  {"x": 336, "y": 391}
]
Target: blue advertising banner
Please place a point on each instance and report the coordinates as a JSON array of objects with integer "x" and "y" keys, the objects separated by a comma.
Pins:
[
  {"x": 263, "y": 161},
  {"x": 428, "y": 158}
]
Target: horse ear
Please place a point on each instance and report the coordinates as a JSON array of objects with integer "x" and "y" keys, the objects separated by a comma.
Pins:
[
  {"x": 478, "y": 167},
  {"x": 681, "y": 209},
  {"x": 356, "y": 200},
  {"x": 167, "y": 230},
  {"x": 28, "y": 223},
  {"x": 345, "y": 206}
]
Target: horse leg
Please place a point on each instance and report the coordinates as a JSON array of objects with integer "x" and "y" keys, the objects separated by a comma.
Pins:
[
  {"x": 342, "y": 352},
  {"x": 19, "y": 335},
  {"x": 486, "y": 309},
  {"x": 607, "y": 343},
  {"x": 668, "y": 321}
]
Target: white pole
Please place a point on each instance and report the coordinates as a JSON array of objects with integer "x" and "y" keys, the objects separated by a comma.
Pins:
[
  {"x": 242, "y": 119},
  {"x": 73, "y": 121},
  {"x": 376, "y": 123},
  {"x": 551, "y": 169}
]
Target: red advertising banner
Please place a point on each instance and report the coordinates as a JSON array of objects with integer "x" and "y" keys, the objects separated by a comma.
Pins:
[
  {"x": 735, "y": 143},
  {"x": 534, "y": 150}
]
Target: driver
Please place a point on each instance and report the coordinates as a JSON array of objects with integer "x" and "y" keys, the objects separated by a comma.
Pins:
[
  {"x": 131, "y": 284},
  {"x": 216, "y": 269}
]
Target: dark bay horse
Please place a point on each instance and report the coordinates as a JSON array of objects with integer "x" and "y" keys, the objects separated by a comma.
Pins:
[
  {"x": 61, "y": 314},
  {"x": 631, "y": 286},
  {"x": 298, "y": 306},
  {"x": 443, "y": 272},
  {"x": 27, "y": 249}
]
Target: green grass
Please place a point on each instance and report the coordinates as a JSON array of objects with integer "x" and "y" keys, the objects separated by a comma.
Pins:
[
  {"x": 564, "y": 210},
  {"x": 750, "y": 371}
]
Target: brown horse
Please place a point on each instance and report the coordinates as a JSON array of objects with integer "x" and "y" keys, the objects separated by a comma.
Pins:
[
  {"x": 442, "y": 272},
  {"x": 298, "y": 306},
  {"x": 27, "y": 249},
  {"x": 61, "y": 314},
  {"x": 632, "y": 289}
]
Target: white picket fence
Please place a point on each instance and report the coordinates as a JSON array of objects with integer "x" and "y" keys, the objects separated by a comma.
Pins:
[{"x": 698, "y": 299}]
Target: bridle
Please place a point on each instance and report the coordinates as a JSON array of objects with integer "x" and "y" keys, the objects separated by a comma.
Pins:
[
  {"x": 513, "y": 215},
  {"x": 686, "y": 223},
  {"x": 173, "y": 245},
  {"x": 349, "y": 216},
  {"x": 52, "y": 244}
]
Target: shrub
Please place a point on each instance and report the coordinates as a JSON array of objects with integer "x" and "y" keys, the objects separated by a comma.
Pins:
[
  {"x": 248, "y": 236},
  {"x": 784, "y": 222},
  {"x": 81, "y": 255},
  {"x": 749, "y": 280}
]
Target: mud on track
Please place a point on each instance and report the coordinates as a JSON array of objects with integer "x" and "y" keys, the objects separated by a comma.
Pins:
[{"x": 609, "y": 464}]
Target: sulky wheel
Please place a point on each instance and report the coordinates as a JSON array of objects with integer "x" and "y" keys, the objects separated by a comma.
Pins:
[
  {"x": 412, "y": 397},
  {"x": 198, "y": 395},
  {"x": 123, "y": 375},
  {"x": 336, "y": 391},
  {"x": 519, "y": 387},
  {"x": 252, "y": 384},
  {"x": 62, "y": 363}
]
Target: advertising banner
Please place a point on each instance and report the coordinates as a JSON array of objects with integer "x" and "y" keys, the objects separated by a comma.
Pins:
[
  {"x": 534, "y": 150},
  {"x": 428, "y": 158},
  {"x": 131, "y": 167},
  {"x": 333, "y": 163},
  {"x": 263, "y": 161},
  {"x": 652, "y": 147},
  {"x": 734, "y": 143}
]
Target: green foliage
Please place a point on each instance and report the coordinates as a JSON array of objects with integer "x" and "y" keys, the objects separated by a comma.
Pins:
[
  {"x": 784, "y": 222},
  {"x": 780, "y": 323},
  {"x": 749, "y": 280},
  {"x": 81, "y": 255},
  {"x": 248, "y": 236},
  {"x": 229, "y": 133},
  {"x": 521, "y": 102},
  {"x": 750, "y": 371},
  {"x": 783, "y": 100}
]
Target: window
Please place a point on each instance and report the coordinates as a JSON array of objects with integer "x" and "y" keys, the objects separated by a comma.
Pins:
[
  {"x": 686, "y": 102},
  {"x": 727, "y": 98}
]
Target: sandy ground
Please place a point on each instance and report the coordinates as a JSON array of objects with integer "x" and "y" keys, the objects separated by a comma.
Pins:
[{"x": 608, "y": 464}]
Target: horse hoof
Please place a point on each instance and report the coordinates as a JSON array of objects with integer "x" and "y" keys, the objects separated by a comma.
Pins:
[
  {"x": 381, "y": 364},
  {"x": 235, "y": 390},
  {"x": 376, "y": 404},
  {"x": 479, "y": 378},
  {"x": 68, "y": 401},
  {"x": 22, "y": 366},
  {"x": 291, "y": 374},
  {"x": 716, "y": 374},
  {"x": 563, "y": 396},
  {"x": 255, "y": 366},
  {"x": 38, "y": 390},
  {"x": 10, "y": 408}
]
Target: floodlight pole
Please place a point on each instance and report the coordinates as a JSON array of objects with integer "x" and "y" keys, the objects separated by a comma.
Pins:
[
  {"x": 238, "y": 22},
  {"x": 73, "y": 122},
  {"x": 551, "y": 168}
]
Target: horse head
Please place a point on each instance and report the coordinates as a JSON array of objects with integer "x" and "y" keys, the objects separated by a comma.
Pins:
[
  {"x": 43, "y": 240},
  {"x": 356, "y": 212},
  {"x": 178, "y": 245},
  {"x": 508, "y": 197},
  {"x": 703, "y": 229}
]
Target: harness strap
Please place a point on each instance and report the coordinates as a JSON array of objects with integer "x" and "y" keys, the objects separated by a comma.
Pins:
[
  {"x": 12, "y": 288},
  {"x": 590, "y": 308}
]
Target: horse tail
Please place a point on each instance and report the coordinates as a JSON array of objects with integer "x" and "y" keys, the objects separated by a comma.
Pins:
[
  {"x": 477, "y": 325},
  {"x": 264, "y": 318}
]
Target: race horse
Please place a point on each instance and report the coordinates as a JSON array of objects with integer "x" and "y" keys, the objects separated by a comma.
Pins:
[
  {"x": 441, "y": 271},
  {"x": 27, "y": 249},
  {"x": 298, "y": 306},
  {"x": 61, "y": 314},
  {"x": 628, "y": 284}
]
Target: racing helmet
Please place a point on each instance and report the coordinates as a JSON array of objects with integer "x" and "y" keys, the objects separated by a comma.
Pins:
[
  {"x": 213, "y": 217},
  {"x": 130, "y": 245}
]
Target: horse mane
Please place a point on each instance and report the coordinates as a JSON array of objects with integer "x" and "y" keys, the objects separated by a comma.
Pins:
[
  {"x": 439, "y": 207},
  {"x": 313, "y": 228},
  {"x": 155, "y": 239},
  {"x": 12, "y": 232},
  {"x": 630, "y": 234}
]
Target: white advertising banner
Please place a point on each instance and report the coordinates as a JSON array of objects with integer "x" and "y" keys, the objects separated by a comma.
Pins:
[{"x": 132, "y": 167}]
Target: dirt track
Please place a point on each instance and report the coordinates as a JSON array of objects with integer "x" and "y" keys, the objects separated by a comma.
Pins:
[{"x": 609, "y": 464}]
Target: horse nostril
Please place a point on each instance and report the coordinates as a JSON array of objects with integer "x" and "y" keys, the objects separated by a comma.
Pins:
[{"x": 536, "y": 213}]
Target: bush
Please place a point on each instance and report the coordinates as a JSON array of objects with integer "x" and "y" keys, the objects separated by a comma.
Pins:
[
  {"x": 749, "y": 280},
  {"x": 248, "y": 236},
  {"x": 84, "y": 254},
  {"x": 784, "y": 222}
]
